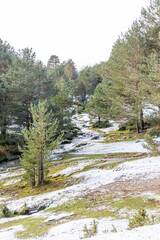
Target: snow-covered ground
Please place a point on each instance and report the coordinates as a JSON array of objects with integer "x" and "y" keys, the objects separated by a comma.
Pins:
[
  {"x": 11, "y": 174},
  {"x": 90, "y": 142},
  {"x": 142, "y": 169},
  {"x": 73, "y": 230},
  {"x": 97, "y": 147},
  {"x": 74, "y": 168}
]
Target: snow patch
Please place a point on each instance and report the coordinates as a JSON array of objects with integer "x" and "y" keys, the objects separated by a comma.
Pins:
[
  {"x": 13, "y": 181},
  {"x": 9, "y": 233},
  {"x": 60, "y": 216},
  {"x": 73, "y": 169},
  {"x": 10, "y": 174},
  {"x": 126, "y": 146}
]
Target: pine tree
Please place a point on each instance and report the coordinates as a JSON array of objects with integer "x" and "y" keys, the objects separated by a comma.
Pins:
[
  {"x": 6, "y": 56},
  {"x": 127, "y": 69},
  {"x": 40, "y": 140},
  {"x": 25, "y": 83},
  {"x": 152, "y": 145},
  {"x": 98, "y": 105},
  {"x": 86, "y": 83},
  {"x": 53, "y": 61},
  {"x": 70, "y": 69}
]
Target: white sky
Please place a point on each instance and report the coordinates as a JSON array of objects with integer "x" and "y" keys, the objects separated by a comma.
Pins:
[{"x": 81, "y": 30}]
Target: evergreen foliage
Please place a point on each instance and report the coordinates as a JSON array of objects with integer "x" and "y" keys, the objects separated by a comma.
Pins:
[
  {"x": 139, "y": 219},
  {"x": 40, "y": 140},
  {"x": 92, "y": 231},
  {"x": 152, "y": 145},
  {"x": 117, "y": 89},
  {"x": 86, "y": 82},
  {"x": 98, "y": 105},
  {"x": 6, "y": 212}
]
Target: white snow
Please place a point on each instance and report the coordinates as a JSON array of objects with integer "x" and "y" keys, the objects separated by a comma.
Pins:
[
  {"x": 73, "y": 230},
  {"x": 80, "y": 166},
  {"x": 114, "y": 127},
  {"x": 147, "y": 168},
  {"x": 143, "y": 168},
  {"x": 55, "y": 217},
  {"x": 11, "y": 174},
  {"x": 126, "y": 146},
  {"x": 150, "y": 110},
  {"x": 13, "y": 181},
  {"x": 3, "y": 199},
  {"x": 9, "y": 233}
]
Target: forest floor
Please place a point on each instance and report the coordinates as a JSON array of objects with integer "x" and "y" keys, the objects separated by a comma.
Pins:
[{"x": 105, "y": 182}]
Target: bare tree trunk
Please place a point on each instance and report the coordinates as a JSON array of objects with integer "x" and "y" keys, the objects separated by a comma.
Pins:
[
  {"x": 99, "y": 120},
  {"x": 137, "y": 126},
  {"x": 39, "y": 172},
  {"x": 42, "y": 173},
  {"x": 141, "y": 120},
  {"x": 33, "y": 183},
  {"x": 41, "y": 167}
]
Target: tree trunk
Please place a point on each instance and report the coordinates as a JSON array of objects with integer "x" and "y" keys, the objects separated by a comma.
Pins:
[
  {"x": 39, "y": 173},
  {"x": 137, "y": 126},
  {"x": 42, "y": 173},
  {"x": 99, "y": 120},
  {"x": 141, "y": 120},
  {"x": 41, "y": 167},
  {"x": 4, "y": 129},
  {"x": 33, "y": 183}
]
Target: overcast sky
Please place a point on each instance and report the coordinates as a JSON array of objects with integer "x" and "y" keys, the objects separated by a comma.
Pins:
[{"x": 81, "y": 30}]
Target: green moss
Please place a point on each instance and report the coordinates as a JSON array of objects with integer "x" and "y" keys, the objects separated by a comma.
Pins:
[
  {"x": 99, "y": 206},
  {"x": 86, "y": 207},
  {"x": 33, "y": 227},
  {"x": 126, "y": 135},
  {"x": 56, "y": 168},
  {"x": 68, "y": 158},
  {"x": 54, "y": 183},
  {"x": 19, "y": 189},
  {"x": 135, "y": 203}
]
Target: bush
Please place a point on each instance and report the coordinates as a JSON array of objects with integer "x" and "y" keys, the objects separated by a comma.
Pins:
[
  {"x": 103, "y": 124},
  {"x": 154, "y": 132},
  {"x": 127, "y": 126},
  {"x": 152, "y": 121},
  {"x": 9, "y": 147},
  {"x": 139, "y": 219},
  {"x": 6, "y": 212},
  {"x": 25, "y": 209},
  {"x": 152, "y": 145},
  {"x": 89, "y": 232},
  {"x": 80, "y": 110}
]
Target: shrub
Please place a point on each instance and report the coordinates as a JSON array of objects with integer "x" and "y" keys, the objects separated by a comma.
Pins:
[
  {"x": 80, "y": 110},
  {"x": 103, "y": 124},
  {"x": 113, "y": 229},
  {"x": 6, "y": 212},
  {"x": 25, "y": 209},
  {"x": 152, "y": 145},
  {"x": 154, "y": 132},
  {"x": 89, "y": 232},
  {"x": 139, "y": 219},
  {"x": 127, "y": 126},
  {"x": 152, "y": 121}
]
